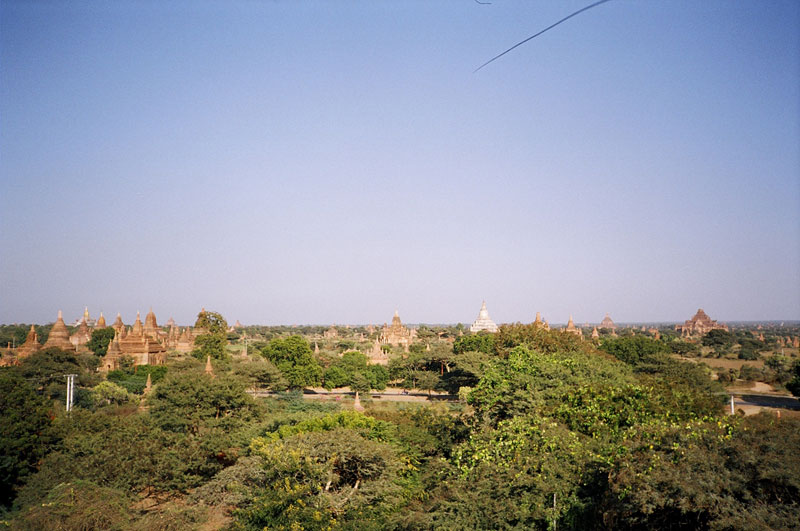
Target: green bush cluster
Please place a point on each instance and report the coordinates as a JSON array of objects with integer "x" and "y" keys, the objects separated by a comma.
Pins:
[{"x": 554, "y": 433}]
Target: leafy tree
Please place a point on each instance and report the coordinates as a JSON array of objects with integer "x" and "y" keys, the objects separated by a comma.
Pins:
[
  {"x": 321, "y": 480},
  {"x": 794, "y": 384},
  {"x": 46, "y": 370},
  {"x": 210, "y": 345},
  {"x": 127, "y": 364},
  {"x": 719, "y": 340},
  {"x": 25, "y": 431},
  {"x": 294, "y": 358},
  {"x": 211, "y": 322},
  {"x": 474, "y": 343},
  {"x": 684, "y": 386},
  {"x": 100, "y": 339},
  {"x": 683, "y": 348},
  {"x": 539, "y": 339},
  {"x": 359, "y": 383},
  {"x": 185, "y": 402},
  {"x": 468, "y": 369},
  {"x": 782, "y": 367},
  {"x": 133, "y": 378},
  {"x": 260, "y": 372},
  {"x": 529, "y": 381},
  {"x": 128, "y": 453},
  {"x": 213, "y": 337},
  {"x": 748, "y": 354},
  {"x": 508, "y": 477},
  {"x": 701, "y": 475},
  {"x": 353, "y": 370},
  {"x": 78, "y": 505},
  {"x": 427, "y": 381},
  {"x": 633, "y": 350},
  {"x": 335, "y": 377},
  {"x": 408, "y": 368},
  {"x": 345, "y": 345},
  {"x": 106, "y": 393},
  {"x": 378, "y": 377}
]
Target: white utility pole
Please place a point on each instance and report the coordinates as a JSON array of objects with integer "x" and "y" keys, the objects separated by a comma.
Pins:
[
  {"x": 733, "y": 411},
  {"x": 70, "y": 390}
]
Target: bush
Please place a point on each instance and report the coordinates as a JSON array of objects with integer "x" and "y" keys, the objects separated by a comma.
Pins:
[
  {"x": 335, "y": 377},
  {"x": 134, "y": 379},
  {"x": 748, "y": 354},
  {"x": 77, "y": 505}
]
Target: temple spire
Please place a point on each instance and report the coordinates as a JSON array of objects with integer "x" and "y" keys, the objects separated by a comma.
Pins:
[
  {"x": 357, "y": 403},
  {"x": 483, "y": 322},
  {"x": 209, "y": 368}
]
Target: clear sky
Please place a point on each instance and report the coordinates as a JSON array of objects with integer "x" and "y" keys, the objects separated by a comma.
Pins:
[{"x": 316, "y": 162}]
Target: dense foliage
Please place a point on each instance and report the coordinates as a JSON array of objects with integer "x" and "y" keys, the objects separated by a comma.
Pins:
[
  {"x": 101, "y": 337},
  {"x": 213, "y": 338},
  {"x": 549, "y": 432},
  {"x": 294, "y": 358}
]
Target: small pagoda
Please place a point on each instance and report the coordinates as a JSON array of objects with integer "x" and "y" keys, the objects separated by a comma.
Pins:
[{"x": 483, "y": 322}]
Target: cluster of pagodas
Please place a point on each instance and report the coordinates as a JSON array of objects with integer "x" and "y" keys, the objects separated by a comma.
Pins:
[
  {"x": 485, "y": 323},
  {"x": 145, "y": 342}
]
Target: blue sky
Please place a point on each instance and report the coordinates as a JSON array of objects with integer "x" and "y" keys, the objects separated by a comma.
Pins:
[{"x": 316, "y": 162}]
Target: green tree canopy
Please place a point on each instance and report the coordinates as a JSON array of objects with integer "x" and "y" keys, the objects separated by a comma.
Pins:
[
  {"x": 212, "y": 339},
  {"x": 46, "y": 370},
  {"x": 184, "y": 402},
  {"x": 25, "y": 431},
  {"x": 633, "y": 350},
  {"x": 474, "y": 343},
  {"x": 211, "y": 322},
  {"x": 101, "y": 337},
  {"x": 294, "y": 358}
]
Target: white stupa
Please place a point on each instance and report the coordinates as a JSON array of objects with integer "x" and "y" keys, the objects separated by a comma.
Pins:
[{"x": 483, "y": 322}]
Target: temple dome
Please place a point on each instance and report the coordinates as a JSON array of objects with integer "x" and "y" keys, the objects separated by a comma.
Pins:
[
  {"x": 59, "y": 335},
  {"x": 31, "y": 344},
  {"x": 150, "y": 320},
  {"x": 483, "y": 322}
]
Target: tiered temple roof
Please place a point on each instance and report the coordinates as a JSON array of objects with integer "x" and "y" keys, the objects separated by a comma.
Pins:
[
  {"x": 572, "y": 329},
  {"x": 59, "y": 335},
  {"x": 151, "y": 328},
  {"x": 608, "y": 323},
  {"x": 539, "y": 323},
  {"x": 699, "y": 325},
  {"x": 88, "y": 320},
  {"x": 483, "y": 322},
  {"x": 185, "y": 341},
  {"x": 31, "y": 344},
  {"x": 118, "y": 324},
  {"x": 376, "y": 354},
  {"x": 81, "y": 336},
  {"x": 141, "y": 343},
  {"x": 397, "y": 334}
]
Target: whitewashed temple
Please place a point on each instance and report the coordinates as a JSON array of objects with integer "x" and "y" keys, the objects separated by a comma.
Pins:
[{"x": 483, "y": 322}]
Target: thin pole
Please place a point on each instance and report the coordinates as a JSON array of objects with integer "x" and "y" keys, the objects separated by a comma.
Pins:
[
  {"x": 70, "y": 390},
  {"x": 555, "y": 514}
]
